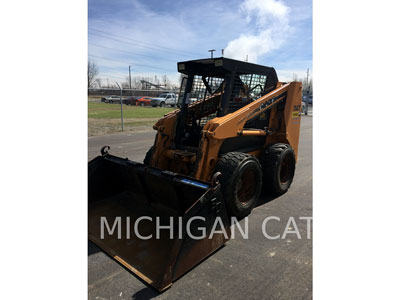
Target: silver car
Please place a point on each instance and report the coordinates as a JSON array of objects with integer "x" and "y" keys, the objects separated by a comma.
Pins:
[
  {"x": 112, "y": 99},
  {"x": 164, "y": 99}
]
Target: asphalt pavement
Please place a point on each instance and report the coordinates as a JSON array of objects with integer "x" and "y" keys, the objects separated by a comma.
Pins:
[{"x": 256, "y": 268}]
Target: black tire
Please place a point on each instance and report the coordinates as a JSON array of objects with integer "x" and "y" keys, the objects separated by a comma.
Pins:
[
  {"x": 162, "y": 104},
  {"x": 241, "y": 182},
  {"x": 111, "y": 102},
  {"x": 278, "y": 164},
  {"x": 148, "y": 156},
  {"x": 141, "y": 103}
]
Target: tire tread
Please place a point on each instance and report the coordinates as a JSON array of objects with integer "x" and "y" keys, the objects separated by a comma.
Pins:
[{"x": 270, "y": 160}]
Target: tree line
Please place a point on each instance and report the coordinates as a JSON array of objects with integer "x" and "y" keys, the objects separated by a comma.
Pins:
[{"x": 135, "y": 82}]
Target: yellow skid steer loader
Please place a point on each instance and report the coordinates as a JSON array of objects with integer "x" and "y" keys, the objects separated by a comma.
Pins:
[{"x": 236, "y": 131}]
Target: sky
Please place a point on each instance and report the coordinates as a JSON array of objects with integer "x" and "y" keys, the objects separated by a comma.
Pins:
[{"x": 152, "y": 36}]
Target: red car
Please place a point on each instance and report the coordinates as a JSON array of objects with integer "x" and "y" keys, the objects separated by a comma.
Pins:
[{"x": 143, "y": 101}]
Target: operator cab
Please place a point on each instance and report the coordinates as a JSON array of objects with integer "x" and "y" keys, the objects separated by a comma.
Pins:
[{"x": 215, "y": 87}]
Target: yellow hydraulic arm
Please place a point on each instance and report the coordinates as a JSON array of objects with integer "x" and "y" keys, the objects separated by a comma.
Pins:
[{"x": 231, "y": 125}]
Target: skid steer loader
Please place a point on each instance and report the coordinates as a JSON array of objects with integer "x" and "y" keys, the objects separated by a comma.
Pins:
[{"x": 236, "y": 131}]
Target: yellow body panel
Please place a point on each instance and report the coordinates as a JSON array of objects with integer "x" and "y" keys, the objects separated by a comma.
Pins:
[{"x": 283, "y": 128}]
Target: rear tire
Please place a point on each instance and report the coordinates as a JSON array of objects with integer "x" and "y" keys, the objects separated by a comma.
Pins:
[
  {"x": 111, "y": 102},
  {"x": 141, "y": 103},
  {"x": 278, "y": 165},
  {"x": 241, "y": 182}
]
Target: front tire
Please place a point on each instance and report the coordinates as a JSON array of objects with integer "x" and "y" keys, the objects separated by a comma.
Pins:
[
  {"x": 241, "y": 182},
  {"x": 162, "y": 104},
  {"x": 141, "y": 103},
  {"x": 278, "y": 164}
]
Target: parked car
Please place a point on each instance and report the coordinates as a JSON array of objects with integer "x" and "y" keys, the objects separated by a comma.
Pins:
[
  {"x": 164, "y": 99},
  {"x": 193, "y": 100},
  {"x": 103, "y": 99},
  {"x": 143, "y": 101},
  {"x": 131, "y": 100},
  {"x": 113, "y": 99}
]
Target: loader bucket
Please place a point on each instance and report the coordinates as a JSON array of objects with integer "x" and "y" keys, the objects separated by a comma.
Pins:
[{"x": 126, "y": 198}]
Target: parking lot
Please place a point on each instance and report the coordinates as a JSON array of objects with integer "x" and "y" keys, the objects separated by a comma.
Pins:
[{"x": 257, "y": 268}]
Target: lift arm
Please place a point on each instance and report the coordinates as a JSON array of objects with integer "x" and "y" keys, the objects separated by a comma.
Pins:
[
  {"x": 218, "y": 130},
  {"x": 232, "y": 124}
]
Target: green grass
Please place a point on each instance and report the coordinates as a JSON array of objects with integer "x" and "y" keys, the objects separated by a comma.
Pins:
[{"x": 113, "y": 111}]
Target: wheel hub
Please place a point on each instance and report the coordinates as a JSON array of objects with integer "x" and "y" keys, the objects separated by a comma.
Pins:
[{"x": 246, "y": 186}]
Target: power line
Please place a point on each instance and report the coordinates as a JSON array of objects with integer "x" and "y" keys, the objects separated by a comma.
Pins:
[
  {"x": 130, "y": 39},
  {"x": 110, "y": 76},
  {"x": 134, "y": 64},
  {"x": 131, "y": 52},
  {"x": 121, "y": 41}
]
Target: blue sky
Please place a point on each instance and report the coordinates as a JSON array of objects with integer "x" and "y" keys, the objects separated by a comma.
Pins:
[{"x": 152, "y": 36}]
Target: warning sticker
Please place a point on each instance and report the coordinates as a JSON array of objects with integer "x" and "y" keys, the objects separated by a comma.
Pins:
[{"x": 295, "y": 114}]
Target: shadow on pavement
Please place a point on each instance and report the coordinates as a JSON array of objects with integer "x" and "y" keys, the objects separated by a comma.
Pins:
[
  {"x": 145, "y": 294},
  {"x": 92, "y": 248},
  {"x": 266, "y": 197}
]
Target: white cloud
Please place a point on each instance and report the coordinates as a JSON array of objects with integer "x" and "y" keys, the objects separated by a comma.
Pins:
[
  {"x": 263, "y": 9},
  {"x": 253, "y": 28},
  {"x": 267, "y": 34}
]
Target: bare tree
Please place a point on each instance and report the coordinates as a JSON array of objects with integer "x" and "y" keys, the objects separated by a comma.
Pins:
[
  {"x": 98, "y": 81},
  {"x": 125, "y": 84},
  {"x": 308, "y": 86},
  {"x": 93, "y": 71}
]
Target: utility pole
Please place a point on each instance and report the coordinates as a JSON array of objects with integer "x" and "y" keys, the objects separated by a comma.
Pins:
[
  {"x": 222, "y": 52},
  {"x": 130, "y": 81},
  {"x": 212, "y": 50},
  {"x": 247, "y": 57},
  {"x": 120, "y": 101},
  {"x": 308, "y": 87}
]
